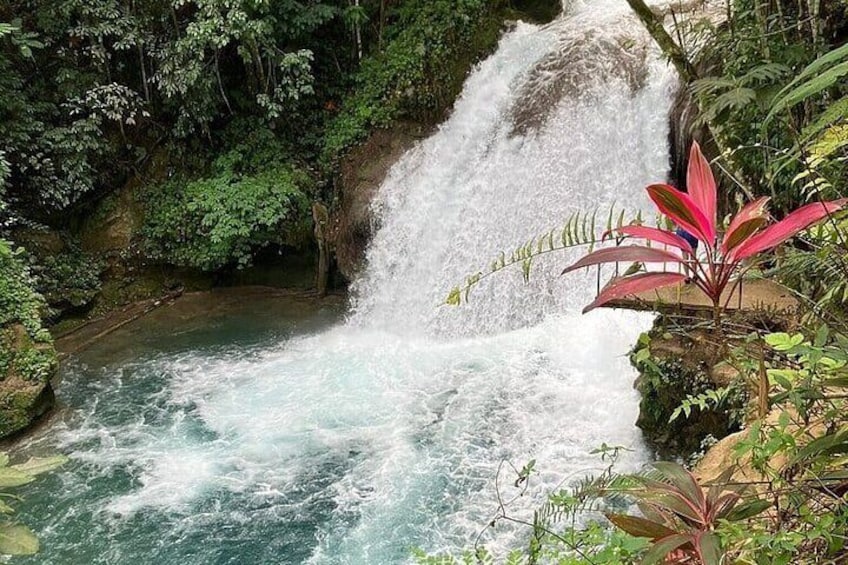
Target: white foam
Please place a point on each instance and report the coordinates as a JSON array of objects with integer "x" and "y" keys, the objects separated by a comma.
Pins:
[{"x": 400, "y": 417}]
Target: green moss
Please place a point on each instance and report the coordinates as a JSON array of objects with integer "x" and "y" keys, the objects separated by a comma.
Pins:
[
  {"x": 22, "y": 400},
  {"x": 27, "y": 357}
]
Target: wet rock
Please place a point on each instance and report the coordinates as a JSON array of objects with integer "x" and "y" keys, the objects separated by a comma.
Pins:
[
  {"x": 579, "y": 61},
  {"x": 675, "y": 367},
  {"x": 362, "y": 173},
  {"x": 26, "y": 367}
]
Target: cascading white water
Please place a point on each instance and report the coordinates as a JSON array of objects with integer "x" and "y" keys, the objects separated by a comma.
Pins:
[
  {"x": 387, "y": 431},
  {"x": 477, "y": 187}
]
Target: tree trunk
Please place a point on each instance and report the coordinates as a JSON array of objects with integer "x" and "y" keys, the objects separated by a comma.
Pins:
[
  {"x": 654, "y": 24},
  {"x": 321, "y": 218}
]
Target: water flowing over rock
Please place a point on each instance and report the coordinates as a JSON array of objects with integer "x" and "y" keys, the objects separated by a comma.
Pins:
[
  {"x": 479, "y": 186},
  {"x": 387, "y": 430}
]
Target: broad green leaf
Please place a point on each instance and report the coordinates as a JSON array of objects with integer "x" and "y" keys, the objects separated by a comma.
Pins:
[
  {"x": 10, "y": 477},
  {"x": 17, "y": 539},
  {"x": 748, "y": 510},
  {"x": 37, "y": 465},
  {"x": 816, "y": 77},
  {"x": 823, "y": 445}
]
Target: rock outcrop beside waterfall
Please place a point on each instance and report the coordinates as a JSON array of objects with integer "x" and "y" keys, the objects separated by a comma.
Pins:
[{"x": 27, "y": 357}]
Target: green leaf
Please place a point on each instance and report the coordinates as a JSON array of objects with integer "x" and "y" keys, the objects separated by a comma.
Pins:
[
  {"x": 827, "y": 444},
  {"x": 10, "y": 477},
  {"x": 38, "y": 465},
  {"x": 814, "y": 86},
  {"x": 17, "y": 539},
  {"x": 782, "y": 341}
]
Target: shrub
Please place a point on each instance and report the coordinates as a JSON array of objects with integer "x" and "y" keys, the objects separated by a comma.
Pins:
[
  {"x": 249, "y": 200},
  {"x": 19, "y": 303}
]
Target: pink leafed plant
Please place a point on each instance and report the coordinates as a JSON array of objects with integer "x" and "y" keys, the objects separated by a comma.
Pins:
[{"x": 722, "y": 252}]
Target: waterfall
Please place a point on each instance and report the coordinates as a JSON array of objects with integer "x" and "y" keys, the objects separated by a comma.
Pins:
[
  {"x": 388, "y": 430},
  {"x": 561, "y": 119}
]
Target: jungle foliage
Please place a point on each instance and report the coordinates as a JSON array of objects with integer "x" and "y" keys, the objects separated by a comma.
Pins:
[{"x": 92, "y": 91}]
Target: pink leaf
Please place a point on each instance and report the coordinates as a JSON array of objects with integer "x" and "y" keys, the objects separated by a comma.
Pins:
[
  {"x": 683, "y": 211},
  {"x": 701, "y": 185},
  {"x": 791, "y": 225},
  {"x": 656, "y": 235},
  {"x": 745, "y": 224},
  {"x": 628, "y": 253},
  {"x": 625, "y": 286}
]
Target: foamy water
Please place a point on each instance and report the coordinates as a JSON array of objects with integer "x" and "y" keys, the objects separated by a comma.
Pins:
[{"x": 386, "y": 430}]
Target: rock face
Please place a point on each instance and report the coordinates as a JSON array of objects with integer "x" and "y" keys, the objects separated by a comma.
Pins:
[
  {"x": 671, "y": 368},
  {"x": 362, "y": 173},
  {"x": 26, "y": 367},
  {"x": 365, "y": 167},
  {"x": 27, "y": 357}
]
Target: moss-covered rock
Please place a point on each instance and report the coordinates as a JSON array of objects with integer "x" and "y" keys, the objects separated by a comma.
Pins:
[
  {"x": 673, "y": 367},
  {"x": 27, "y": 358}
]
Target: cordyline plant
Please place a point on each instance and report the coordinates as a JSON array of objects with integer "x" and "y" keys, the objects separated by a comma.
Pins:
[
  {"x": 719, "y": 259},
  {"x": 680, "y": 518}
]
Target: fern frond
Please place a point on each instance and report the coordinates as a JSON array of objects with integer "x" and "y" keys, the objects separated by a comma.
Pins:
[
  {"x": 819, "y": 75},
  {"x": 766, "y": 73},
  {"x": 580, "y": 230}
]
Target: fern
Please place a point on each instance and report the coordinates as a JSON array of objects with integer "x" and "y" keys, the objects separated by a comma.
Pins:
[
  {"x": 817, "y": 77},
  {"x": 721, "y": 94},
  {"x": 579, "y": 230}
]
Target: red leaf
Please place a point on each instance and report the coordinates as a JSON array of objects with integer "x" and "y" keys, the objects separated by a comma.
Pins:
[
  {"x": 745, "y": 224},
  {"x": 709, "y": 548},
  {"x": 635, "y": 253},
  {"x": 701, "y": 185},
  {"x": 640, "y": 527},
  {"x": 685, "y": 482},
  {"x": 683, "y": 211},
  {"x": 625, "y": 286},
  {"x": 656, "y": 235},
  {"x": 791, "y": 225},
  {"x": 658, "y": 552}
]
